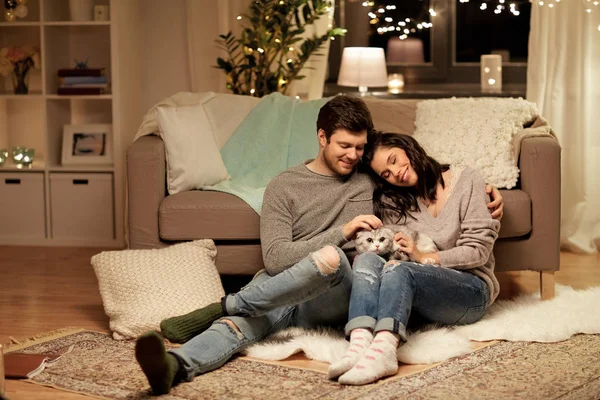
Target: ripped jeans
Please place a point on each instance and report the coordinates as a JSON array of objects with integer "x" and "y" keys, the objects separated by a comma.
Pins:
[
  {"x": 384, "y": 295},
  {"x": 302, "y": 296}
]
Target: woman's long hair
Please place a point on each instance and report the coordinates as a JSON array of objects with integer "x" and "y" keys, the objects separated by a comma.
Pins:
[{"x": 394, "y": 201}]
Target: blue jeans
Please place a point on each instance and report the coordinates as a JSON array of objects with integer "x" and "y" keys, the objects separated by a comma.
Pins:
[
  {"x": 384, "y": 295},
  {"x": 300, "y": 296}
]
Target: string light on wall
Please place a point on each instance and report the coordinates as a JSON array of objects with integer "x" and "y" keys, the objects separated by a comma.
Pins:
[
  {"x": 589, "y": 6},
  {"x": 387, "y": 19},
  {"x": 500, "y": 6}
]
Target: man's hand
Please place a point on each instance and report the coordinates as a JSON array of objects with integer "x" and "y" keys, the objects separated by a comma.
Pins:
[
  {"x": 496, "y": 205},
  {"x": 362, "y": 222}
]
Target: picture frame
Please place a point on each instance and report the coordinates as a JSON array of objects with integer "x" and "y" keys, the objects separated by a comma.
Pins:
[{"x": 87, "y": 144}]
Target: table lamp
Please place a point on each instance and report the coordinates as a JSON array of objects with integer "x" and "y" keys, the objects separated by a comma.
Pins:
[{"x": 363, "y": 67}]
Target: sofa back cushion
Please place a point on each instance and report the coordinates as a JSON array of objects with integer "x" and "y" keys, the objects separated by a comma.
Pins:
[{"x": 393, "y": 115}]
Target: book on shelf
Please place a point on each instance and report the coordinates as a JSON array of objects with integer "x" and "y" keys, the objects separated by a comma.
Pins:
[
  {"x": 24, "y": 365},
  {"x": 84, "y": 85},
  {"x": 64, "y": 72},
  {"x": 74, "y": 91},
  {"x": 79, "y": 80}
]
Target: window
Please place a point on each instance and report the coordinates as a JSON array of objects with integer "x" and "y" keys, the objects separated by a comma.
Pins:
[
  {"x": 450, "y": 49},
  {"x": 480, "y": 29},
  {"x": 402, "y": 29}
]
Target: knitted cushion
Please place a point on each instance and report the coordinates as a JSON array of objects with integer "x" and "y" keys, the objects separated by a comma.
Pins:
[{"x": 140, "y": 288}]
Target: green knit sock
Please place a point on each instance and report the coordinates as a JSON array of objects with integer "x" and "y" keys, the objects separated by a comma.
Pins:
[
  {"x": 159, "y": 366},
  {"x": 184, "y": 327}
]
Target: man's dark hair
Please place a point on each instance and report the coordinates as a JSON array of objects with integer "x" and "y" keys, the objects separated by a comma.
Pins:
[{"x": 344, "y": 112}]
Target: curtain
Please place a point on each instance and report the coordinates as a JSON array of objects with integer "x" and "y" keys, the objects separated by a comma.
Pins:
[
  {"x": 206, "y": 21},
  {"x": 563, "y": 79},
  {"x": 315, "y": 69}
]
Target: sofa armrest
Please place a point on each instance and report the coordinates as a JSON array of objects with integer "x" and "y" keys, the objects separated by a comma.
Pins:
[
  {"x": 539, "y": 162},
  {"x": 146, "y": 188}
]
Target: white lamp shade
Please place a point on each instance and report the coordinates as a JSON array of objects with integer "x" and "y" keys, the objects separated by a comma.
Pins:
[{"x": 363, "y": 66}]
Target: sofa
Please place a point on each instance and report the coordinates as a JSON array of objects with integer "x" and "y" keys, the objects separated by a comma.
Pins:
[{"x": 528, "y": 239}]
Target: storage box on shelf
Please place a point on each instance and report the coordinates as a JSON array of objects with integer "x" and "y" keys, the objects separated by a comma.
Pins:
[
  {"x": 82, "y": 206},
  {"x": 49, "y": 203},
  {"x": 22, "y": 207}
]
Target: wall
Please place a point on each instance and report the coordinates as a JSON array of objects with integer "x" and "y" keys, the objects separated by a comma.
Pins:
[{"x": 163, "y": 53}]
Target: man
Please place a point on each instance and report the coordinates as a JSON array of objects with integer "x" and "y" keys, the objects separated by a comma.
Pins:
[{"x": 310, "y": 215}]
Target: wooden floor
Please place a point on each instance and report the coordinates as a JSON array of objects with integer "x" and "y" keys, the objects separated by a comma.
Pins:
[{"x": 43, "y": 289}]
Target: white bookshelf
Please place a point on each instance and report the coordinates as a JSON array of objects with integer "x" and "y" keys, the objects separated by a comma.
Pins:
[{"x": 36, "y": 120}]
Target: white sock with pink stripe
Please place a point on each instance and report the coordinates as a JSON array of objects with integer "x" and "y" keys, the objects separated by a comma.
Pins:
[
  {"x": 380, "y": 360},
  {"x": 360, "y": 339}
]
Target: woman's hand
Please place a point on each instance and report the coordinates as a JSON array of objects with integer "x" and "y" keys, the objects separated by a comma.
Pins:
[
  {"x": 496, "y": 205},
  {"x": 408, "y": 246}
]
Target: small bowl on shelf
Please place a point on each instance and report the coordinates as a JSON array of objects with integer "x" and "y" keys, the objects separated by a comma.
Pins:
[
  {"x": 23, "y": 156},
  {"x": 3, "y": 156}
]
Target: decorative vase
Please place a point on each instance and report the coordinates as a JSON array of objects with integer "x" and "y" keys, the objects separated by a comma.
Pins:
[{"x": 20, "y": 79}]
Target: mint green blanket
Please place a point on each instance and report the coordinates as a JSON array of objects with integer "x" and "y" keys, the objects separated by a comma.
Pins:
[{"x": 280, "y": 132}]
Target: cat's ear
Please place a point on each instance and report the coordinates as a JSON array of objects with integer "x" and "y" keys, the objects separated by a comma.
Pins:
[{"x": 360, "y": 234}]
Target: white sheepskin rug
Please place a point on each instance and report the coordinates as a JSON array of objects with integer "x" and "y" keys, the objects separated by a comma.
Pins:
[
  {"x": 476, "y": 133},
  {"x": 525, "y": 318}
]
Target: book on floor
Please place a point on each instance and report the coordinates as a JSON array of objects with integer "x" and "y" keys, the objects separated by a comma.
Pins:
[{"x": 24, "y": 365}]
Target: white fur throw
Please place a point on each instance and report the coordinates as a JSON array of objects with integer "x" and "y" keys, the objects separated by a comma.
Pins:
[
  {"x": 525, "y": 318},
  {"x": 477, "y": 133},
  {"x": 140, "y": 288}
]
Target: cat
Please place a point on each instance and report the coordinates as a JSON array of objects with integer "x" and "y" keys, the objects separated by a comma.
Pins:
[{"x": 381, "y": 242}]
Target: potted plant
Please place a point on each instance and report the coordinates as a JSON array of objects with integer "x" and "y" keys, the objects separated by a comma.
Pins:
[{"x": 271, "y": 51}]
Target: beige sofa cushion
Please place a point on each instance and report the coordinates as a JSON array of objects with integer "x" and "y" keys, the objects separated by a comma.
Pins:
[
  {"x": 393, "y": 115},
  {"x": 205, "y": 214}
]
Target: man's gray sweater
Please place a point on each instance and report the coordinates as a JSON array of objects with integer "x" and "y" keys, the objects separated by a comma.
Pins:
[{"x": 303, "y": 211}]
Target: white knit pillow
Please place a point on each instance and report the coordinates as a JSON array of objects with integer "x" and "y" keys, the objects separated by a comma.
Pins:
[
  {"x": 140, "y": 288},
  {"x": 476, "y": 133}
]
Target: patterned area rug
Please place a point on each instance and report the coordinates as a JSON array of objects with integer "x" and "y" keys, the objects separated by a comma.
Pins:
[{"x": 100, "y": 366}]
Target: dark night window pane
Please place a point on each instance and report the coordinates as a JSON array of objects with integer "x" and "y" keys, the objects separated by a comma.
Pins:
[
  {"x": 479, "y": 30},
  {"x": 402, "y": 29}
]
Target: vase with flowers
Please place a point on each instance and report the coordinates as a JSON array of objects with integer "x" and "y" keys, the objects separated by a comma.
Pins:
[{"x": 17, "y": 62}]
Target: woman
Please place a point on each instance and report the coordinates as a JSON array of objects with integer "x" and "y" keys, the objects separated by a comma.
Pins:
[{"x": 447, "y": 204}]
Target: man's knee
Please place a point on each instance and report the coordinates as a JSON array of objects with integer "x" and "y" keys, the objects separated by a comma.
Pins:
[
  {"x": 327, "y": 260},
  {"x": 233, "y": 327},
  {"x": 231, "y": 324}
]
